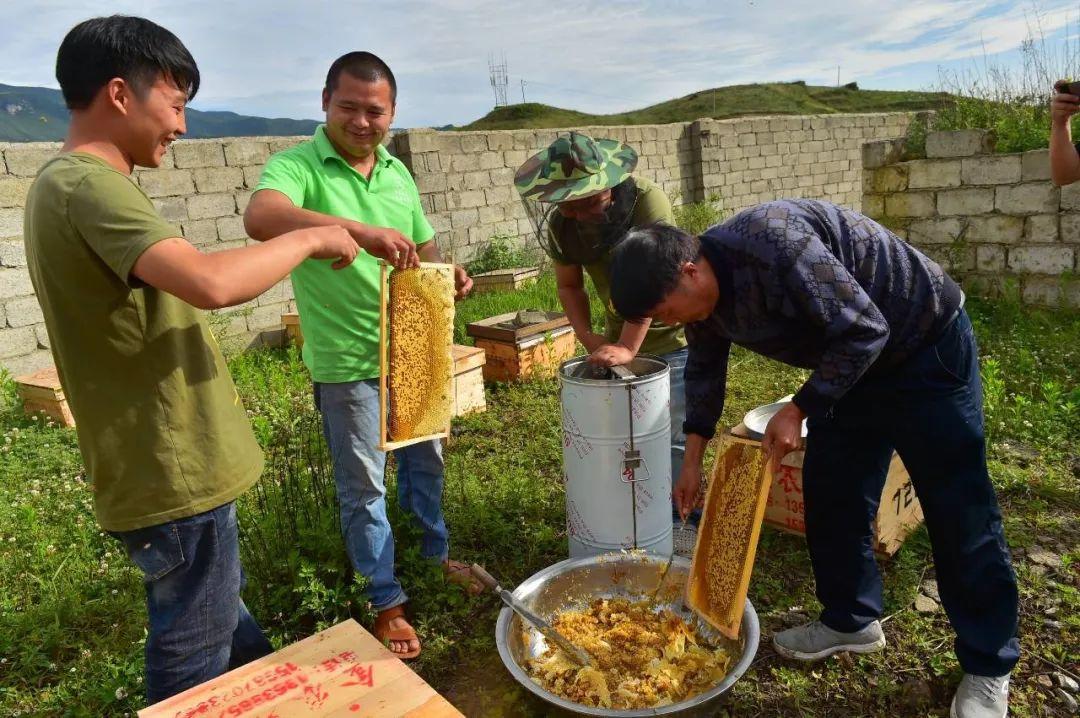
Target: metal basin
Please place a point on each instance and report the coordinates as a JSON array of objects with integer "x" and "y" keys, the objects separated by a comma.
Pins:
[{"x": 575, "y": 582}]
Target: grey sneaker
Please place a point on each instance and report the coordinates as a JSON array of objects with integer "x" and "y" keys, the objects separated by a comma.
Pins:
[
  {"x": 815, "y": 640},
  {"x": 981, "y": 697}
]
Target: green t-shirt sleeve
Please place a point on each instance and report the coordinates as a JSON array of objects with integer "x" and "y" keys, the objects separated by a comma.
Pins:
[
  {"x": 117, "y": 220},
  {"x": 653, "y": 206},
  {"x": 422, "y": 231},
  {"x": 286, "y": 174}
]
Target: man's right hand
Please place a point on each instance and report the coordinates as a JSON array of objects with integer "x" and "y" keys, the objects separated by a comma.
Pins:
[
  {"x": 1063, "y": 106},
  {"x": 387, "y": 244},
  {"x": 332, "y": 242},
  {"x": 687, "y": 492}
]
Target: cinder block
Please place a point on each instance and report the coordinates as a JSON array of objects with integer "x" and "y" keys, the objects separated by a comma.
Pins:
[
  {"x": 990, "y": 258},
  {"x": 1030, "y": 198},
  {"x": 206, "y": 206},
  {"x": 167, "y": 183},
  {"x": 1002, "y": 169},
  {"x": 995, "y": 229},
  {"x": 1041, "y": 259},
  {"x": 910, "y": 204},
  {"x": 935, "y": 231},
  {"x": 198, "y": 153},
  {"x": 1041, "y": 228},
  {"x": 959, "y": 143},
  {"x": 24, "y": 160},
  {"x": 13, "y": 191},
  {"x": 923, "y": 174},
  {"x": 12, "y": 253},
  {"x": 1035, "y": 165},
  {"x": 242, "y": 153},
  {"x": 965, "y": 201},
  {"x": 15, "y": 282},
  {"x": 11, "y": 222},
  {"x": 218, "y": 179}
]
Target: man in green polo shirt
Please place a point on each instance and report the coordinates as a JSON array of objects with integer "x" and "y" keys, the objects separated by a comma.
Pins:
[
  {"x": 163, "y": 434},
  {"x": 593, "y": 201},
  {"x": 344, "y": 177}
]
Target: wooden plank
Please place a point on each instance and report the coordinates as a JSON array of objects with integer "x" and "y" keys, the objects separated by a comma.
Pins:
[
  {"x": 467, "y": 358},
  {"x": 46, "y": 378},
  {"x": 383, "y": 408},
  {"x": 469, "y": 392},
  {"x": 342, "y": 671},
  {"x": 485, "y": 327},
  {"x": 723, "y": 560}
]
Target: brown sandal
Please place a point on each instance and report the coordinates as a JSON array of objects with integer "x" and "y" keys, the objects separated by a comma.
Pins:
[
  {"x": 459, "y": 573},
  {"x": 385, "y": 634}
]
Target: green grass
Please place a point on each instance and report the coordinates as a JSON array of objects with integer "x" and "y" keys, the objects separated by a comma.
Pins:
[
  {"x": 772, "y": 98},
  {"x": 72, "y": 615}
]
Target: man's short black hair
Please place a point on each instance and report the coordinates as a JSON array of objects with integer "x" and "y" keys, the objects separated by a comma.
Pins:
[
  {"x": 645, "y": 267},
  {"x": 363, "y": 66},
  {"x": 131, "y": 48}
]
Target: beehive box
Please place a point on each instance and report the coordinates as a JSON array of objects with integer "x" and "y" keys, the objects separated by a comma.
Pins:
[
  {"x": 342, "y": 671},
  {"x": 532, "y": 357},
  {"x": 899, "y": 512},
  {"x": 41, "y": 393},
  {"x": 504, "y": 279},
  {"x": 468, "y": 380},
  {"x": 291, "y": 323}
]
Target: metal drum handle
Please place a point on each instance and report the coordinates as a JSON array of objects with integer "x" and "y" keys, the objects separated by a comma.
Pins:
[{"x": 632, "y": 459}]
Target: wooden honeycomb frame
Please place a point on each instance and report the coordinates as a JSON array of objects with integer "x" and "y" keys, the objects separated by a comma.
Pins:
[
  {"x": 727, "y": 540},
  {"x": 436, "y": 272}
]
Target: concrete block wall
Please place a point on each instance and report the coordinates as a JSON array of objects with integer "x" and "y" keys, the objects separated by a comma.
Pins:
[
  {"x": 465, "y": 181},
  {"x": 752, "y": 160},
  {"x": 987, "y": 218},
  {"x": 202, "y": 187}
]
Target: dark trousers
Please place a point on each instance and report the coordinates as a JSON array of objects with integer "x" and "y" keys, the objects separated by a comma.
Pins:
[
  {"x": 930, "y": 411},
  {"x": 199, "y": 625}
]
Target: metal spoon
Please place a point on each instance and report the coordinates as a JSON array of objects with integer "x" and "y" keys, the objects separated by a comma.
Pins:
[{"x": 546, "y": 630}]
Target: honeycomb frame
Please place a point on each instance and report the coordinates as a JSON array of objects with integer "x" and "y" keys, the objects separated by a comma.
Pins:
[
  {"x": 416, "y": 325},
  {"x": 731, "y": 520}
]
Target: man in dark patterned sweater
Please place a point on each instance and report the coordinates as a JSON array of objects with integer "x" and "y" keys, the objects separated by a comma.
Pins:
[{"x": 894, "y": 366}]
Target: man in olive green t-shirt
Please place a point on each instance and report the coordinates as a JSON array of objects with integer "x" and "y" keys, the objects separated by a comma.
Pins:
[
  {"x": 163, "y": 434},
  {"x": 344, "y": 177},
  {"x": 594, "y": 202}
]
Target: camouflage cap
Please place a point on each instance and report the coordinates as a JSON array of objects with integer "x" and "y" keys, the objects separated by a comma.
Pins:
[{"x": 574, "y": 167}]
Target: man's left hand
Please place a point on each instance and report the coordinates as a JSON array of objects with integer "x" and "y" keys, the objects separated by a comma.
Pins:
[
  {"x": 611, "y": 355},
  {"x": 462, "y": 282},
  {"x": 783, "y": 434}
]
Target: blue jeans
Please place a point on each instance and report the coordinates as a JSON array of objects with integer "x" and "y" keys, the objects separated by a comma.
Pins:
[
  {"x": 677, "y": 362},
  {"x": 929, "y": 410},
  {"x": 199, "y": 625},
  {"x": 350, "y": 412}
]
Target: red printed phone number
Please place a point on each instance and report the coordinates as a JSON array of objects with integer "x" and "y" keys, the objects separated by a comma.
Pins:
[{"x": 270, "y": 678}]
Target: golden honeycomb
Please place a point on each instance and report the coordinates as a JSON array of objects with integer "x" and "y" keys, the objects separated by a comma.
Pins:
[
  {"x": 420, "y": 309},
  {"x": 727, "y": 540},
  {"x": 643, "y": 658}
]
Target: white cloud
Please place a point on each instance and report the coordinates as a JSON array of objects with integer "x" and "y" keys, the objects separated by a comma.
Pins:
[{"x": 271, "y": 57}]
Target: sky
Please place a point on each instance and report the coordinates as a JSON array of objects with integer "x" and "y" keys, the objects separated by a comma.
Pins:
[{"x": 270, "y": 57}]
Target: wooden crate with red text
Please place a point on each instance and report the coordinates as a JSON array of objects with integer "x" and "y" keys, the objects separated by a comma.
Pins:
[{"x": 343, "y": 671}]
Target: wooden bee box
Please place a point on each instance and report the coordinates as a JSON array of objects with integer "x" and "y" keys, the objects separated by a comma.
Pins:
[
  {"x": 899, "y": 512},
  {"x": 291, "y": 322},
  {"x": 468, "y": 380},
  {"x": 504, "y": 279},
  {"x": 532, "y": 357},
  {"x": 41, "y": 393},
  {"x": 342, "y": 671}
]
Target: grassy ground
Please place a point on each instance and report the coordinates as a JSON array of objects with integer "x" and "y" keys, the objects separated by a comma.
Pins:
[
  {"x": 72, "y": 617},
  {"x": 773, "y": 98}
]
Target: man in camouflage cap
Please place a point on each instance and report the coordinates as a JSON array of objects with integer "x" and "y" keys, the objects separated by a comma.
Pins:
[{"x": 592, "y": 202}]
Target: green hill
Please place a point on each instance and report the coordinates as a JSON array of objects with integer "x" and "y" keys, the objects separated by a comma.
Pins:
[
  {"x": 774, "y": 98},
  {"x": 38, "y": 114}
]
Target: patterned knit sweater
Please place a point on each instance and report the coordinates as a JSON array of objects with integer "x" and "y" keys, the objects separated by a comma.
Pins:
[{"x": 816, "y": 286}]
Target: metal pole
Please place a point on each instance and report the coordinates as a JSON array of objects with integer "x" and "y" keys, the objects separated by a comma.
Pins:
[{"x": 633, "y": 470}]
